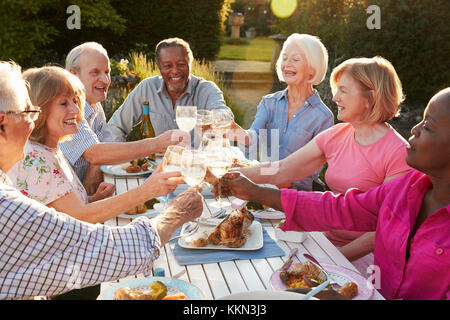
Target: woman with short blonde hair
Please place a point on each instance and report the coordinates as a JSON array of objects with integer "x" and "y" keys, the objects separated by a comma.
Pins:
[
  {"x": 375, "y": 75},
  {"x": 316, "y": 56},
  {"x": 295, "y": 115}
]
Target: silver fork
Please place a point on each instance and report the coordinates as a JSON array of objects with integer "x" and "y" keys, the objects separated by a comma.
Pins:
[{"x": 333, "y": 282}]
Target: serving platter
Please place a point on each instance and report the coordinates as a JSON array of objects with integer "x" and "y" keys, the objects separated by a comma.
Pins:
[
  {"x": 339, "y": 274},
  {"x": 143, "y": 284},
  {"x": 254, "y": 241}
]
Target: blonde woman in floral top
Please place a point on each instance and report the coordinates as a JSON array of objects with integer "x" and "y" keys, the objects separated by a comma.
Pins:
[{"x": 45, "y": 174}]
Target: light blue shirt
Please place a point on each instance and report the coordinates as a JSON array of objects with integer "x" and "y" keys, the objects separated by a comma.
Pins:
[
  {"x": 93, "y": 129},
  {"x": 199, "y": 92},
  {"x": 282, "y": 137}
]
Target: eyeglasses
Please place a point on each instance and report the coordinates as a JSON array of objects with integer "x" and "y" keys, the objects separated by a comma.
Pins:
[{"x": 32, "y": 115}]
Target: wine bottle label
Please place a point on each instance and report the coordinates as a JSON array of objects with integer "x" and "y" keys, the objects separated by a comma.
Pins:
[{"x": 146, "y": 109}]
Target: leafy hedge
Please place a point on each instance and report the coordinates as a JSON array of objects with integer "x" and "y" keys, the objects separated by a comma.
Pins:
[
  {"x": 414, "y": 36},
  {"x": 35, "y": 32}
]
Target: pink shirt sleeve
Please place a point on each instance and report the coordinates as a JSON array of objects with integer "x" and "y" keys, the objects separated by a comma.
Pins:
[
  {"x": 396, "y": 163},
  {"x": 317, "y": 211}
]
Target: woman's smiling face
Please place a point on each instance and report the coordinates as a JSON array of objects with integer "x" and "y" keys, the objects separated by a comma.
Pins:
[
  {"x": 294, "y": 66},
  {"x": 62, "y": 119}
]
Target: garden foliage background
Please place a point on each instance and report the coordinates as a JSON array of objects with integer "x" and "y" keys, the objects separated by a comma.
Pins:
[{"x": 414, "y": 34}]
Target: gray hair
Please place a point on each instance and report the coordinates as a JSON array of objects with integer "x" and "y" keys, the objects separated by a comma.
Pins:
[
  {"x": 315, "y": 53},
  {"x": 13, "y": 89},
  {"x": 73, "y": 58},
  {"x": 174, "y": 42}
]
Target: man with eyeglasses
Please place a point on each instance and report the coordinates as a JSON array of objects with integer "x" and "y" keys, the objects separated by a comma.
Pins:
[
  {"x": 31, "y": 115},
  {"x": 45, "y": 252}
]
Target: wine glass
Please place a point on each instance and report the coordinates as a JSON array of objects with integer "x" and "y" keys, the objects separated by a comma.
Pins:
[
  {"x": 212, "y": 140},
  {"x": 186, "y": 117},
  {"x": 218, "y": 161},
  {"x": 172, "y": 162},
  {"x": 193, "y": 166},
  {"x": 222, "y": 119}
]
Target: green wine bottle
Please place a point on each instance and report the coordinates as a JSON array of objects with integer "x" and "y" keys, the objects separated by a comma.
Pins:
[{"x": 146, "y": 126}]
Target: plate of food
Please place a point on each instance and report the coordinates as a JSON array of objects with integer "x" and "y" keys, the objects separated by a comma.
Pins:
[
  {"x": 353, "y": 285},
  {"x": 153, "y": 288},
  {"x": 143, "y": 210},
  {"x": 238, "y": 231},
  {"x": 135, "y": 168}
]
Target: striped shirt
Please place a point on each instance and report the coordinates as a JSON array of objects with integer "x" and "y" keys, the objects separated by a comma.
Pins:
[
  {"x": 45, "y": 252},
  {"x": 92, "y": 130}
]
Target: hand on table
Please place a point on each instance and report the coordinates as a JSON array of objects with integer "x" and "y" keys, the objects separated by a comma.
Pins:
[
  {"x": 92, "y": 179},
  {"x": 104, "y": 190}
]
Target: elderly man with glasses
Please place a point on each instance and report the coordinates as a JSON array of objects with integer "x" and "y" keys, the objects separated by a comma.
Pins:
[{"x": 45, "y": 252}]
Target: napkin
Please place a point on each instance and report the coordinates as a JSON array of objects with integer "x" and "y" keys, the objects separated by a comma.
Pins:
[{"x": 198, "y": 256}]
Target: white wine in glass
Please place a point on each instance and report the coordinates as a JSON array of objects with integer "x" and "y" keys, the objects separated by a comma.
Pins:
[
  {"x": 218, "y": 161},
  {"x": 193, "y": 167},
  {"x": 172, "y": 159},
  {"x": 221, "y": 120},
  {"x": 186, "y": 117}
]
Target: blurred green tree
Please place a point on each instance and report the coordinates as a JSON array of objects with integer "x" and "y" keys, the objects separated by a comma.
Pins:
[{"x": 414, "y": 36}]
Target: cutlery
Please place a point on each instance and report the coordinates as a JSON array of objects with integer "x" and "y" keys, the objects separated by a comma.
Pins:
[
  {"x": 333, "y": 283},
  {"x": 218, "y": 213},
  {"x": 288, "y": 262},
  {"x": 188, "y": 229}
]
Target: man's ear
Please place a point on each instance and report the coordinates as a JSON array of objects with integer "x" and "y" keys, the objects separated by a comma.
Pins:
[
  {"x": 2, "y": 127},
  {"x": 73, "y": 71}
]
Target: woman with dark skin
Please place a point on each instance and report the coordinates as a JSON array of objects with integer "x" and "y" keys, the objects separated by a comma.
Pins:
[{"x": 413, "y": 209}]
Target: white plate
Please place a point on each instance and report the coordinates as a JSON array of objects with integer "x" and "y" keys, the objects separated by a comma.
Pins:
[
  {"x": 265, "y": 295},
  {"x": 173, "y": 286},
  {"x": 269, "y": 214},
  {"x": 116, "y": 170},
  {"x": 254, "y": 242}
]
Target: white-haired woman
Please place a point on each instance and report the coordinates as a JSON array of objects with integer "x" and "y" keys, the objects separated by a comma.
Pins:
[{"x": 296, "y": 114}]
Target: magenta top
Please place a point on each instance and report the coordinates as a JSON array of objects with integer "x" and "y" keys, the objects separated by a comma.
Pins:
[{"x": 420, "y": 272}]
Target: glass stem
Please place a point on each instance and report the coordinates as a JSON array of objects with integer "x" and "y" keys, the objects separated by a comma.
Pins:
[
  {"x": 220, "y": 198},
  {"x": 166, "y": 203}
]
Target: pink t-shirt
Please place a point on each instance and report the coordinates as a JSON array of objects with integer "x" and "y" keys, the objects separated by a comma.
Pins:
[{"x": 351, "y": 165}]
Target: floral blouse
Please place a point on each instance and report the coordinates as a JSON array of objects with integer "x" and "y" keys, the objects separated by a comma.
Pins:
[{"x": 45, "y": 175}]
